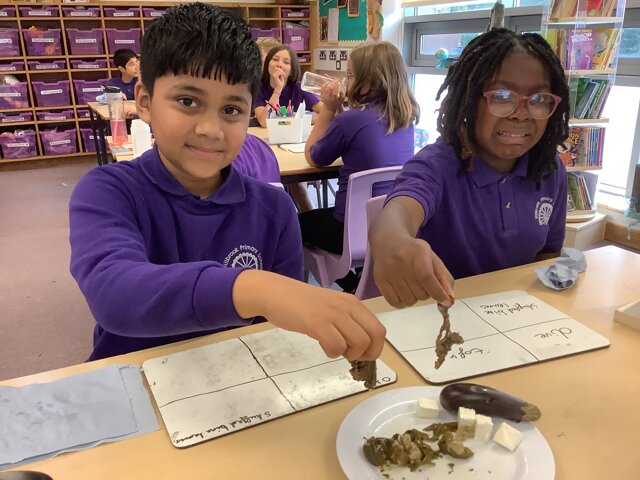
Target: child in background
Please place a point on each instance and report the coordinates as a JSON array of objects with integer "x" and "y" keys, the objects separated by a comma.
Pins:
[
  {"x": 376, "y": 132},
  {"x": 281, "y": 87},
  {"x": 176, "y": 244},
  {"x": 265, "y": 44},
  {"x": 490, "y": 193},
  {"x": 281, "y": 84},
  {"x": 127, "y": 63}
]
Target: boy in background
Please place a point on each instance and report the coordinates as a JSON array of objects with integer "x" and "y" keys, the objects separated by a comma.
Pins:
[
  {"x": 127, "y": 63},
  {"x": 176, "y": 244}
]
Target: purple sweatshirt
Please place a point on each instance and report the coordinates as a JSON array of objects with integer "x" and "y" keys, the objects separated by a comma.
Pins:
[
  {"x": 482, "y": 220},
  {"x": 290, "y": 92},
  {"x": 127, "y": 88},
  {"x": 360, "y": 137},
  {"x": 256, "y": 159},
  {"x": 157, "y": 264}
]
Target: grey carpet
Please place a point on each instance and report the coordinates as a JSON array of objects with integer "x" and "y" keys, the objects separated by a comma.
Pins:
[{"x": 44, "y": 321}]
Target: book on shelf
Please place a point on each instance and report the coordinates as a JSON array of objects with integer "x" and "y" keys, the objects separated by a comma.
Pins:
[
  {"x": 593, "y": 8},
  {"x": 581, "y": 47},
  {"x": 587, "y": 96},
  {"x": 583, "y": 148},
  {"x": 579, "y": 191},
  {"x": 584, "y": 48}
]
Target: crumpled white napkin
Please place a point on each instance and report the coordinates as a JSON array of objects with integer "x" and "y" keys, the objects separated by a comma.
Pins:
[{"x": 564, "y": 273}]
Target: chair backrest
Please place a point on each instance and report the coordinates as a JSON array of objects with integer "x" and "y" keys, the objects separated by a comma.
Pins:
[
  {"x": 367, "y": 287},
  {"x": 359, "y": 191}
]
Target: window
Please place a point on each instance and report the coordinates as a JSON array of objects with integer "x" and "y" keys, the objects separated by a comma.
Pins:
[{"x": 453, "y": 26}]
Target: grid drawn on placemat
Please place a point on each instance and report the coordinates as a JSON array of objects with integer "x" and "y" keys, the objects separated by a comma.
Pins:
[
  {"x": 501, "y": 331},
  {"x": 210, "y": 391}
]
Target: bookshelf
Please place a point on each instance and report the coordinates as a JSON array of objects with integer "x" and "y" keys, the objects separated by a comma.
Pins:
[
  {"x": 585, "y": 35},
  {"x": 60, "y": 53}
]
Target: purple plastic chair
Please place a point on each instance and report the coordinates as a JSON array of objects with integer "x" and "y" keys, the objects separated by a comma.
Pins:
[
  {"x": 327, "y": 267},
  {"x": 367, "y": 287}
]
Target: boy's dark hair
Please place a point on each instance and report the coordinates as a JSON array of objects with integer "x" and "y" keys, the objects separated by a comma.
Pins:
[
  {"x": 295, "y": 74},
  {"x": 122, "y": 56},
  {"x": 465, "y": 81},
  {"x": 203, "y": 41}
]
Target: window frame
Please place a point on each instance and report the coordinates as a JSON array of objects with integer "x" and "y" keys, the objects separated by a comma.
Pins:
[{"x": 519, "y": 19}]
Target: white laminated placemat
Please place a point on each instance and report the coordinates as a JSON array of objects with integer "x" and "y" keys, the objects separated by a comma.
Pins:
[
  {"x": 500, "y": 331},
  {"x": 207, "y": 392}
]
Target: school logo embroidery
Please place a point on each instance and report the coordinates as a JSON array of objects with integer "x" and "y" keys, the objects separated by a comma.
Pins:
[
  {"x": 543, "y": 211},
  {"x": 244, "y": 256}
]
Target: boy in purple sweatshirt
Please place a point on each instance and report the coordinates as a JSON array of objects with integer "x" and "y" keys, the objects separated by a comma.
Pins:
[{"x": 177, "y": 244}]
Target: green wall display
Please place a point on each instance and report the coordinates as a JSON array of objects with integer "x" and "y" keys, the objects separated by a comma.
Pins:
[{"x": 352, "y": 23}]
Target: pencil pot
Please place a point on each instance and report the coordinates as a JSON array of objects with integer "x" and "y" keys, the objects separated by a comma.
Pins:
[
  {"x": 52, "y": 94},
  {"x": 288, "y": 129},
  {"x": 42, "y": 42},
  {"x": 18, "y": 144},
  {"x": 14, "y": 96},
  {"x": 59, "y": 142}
]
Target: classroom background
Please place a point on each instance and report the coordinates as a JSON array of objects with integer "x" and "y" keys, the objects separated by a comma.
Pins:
[{"x": 45, "y": 322}]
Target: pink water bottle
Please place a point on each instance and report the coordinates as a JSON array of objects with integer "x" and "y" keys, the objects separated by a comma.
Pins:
[{"x": 117, "y": 118}]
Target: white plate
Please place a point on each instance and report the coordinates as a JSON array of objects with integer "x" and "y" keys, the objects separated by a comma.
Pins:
[{"x": 394, "y": 412}]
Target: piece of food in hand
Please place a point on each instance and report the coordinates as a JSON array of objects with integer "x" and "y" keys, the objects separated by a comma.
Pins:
[
  {"x": 428, "y": 408},
  {"x": 364, "y": 371},
  {"x": 507, "y": 436},
  {"x": 484, "y": 427},
  {"x": 446, "y": 338},
  {"x": 488, "y": 401},
  {"x": 466, "y": 422}
]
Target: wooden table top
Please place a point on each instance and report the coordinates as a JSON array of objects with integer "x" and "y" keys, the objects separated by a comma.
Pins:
[{"x": 589, "y": 401}]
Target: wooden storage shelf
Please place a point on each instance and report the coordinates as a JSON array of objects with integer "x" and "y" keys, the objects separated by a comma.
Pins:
[
  {"x": 578, "y": 168},
  {"x": 588, "y": 122},
  {"x": 260, "y": 15}
]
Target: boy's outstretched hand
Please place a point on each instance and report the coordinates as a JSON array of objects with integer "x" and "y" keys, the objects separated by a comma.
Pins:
[{"x": 338, "y": 321}]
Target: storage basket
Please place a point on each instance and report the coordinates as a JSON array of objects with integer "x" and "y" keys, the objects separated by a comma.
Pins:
[
  {"x": 16, "y": 117},
  {"x": 85, "y": 42},
  {"x": 88, "y": 90},
  {"x": 59, "y": 142},
  {"x": 117, "y": 39},
  {"x": 9, "y": 42},
  {"x": 18, "y": 144},
  {"x": 51, "y": 94},
  {"x": 14, "y": 96},
  {"x": 42, "y": 42}
]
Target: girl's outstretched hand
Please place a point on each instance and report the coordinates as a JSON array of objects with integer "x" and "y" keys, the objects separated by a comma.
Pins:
[
  {"x": 338, "y": 321},
  {"x": 410, "y": 271}
]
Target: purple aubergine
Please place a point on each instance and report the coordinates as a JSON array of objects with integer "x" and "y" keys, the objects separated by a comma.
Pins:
[{"x": 488, "y": 401}]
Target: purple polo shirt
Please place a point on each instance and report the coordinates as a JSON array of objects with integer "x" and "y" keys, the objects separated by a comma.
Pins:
[
  {"x": 291, "y": 92},
  {"x": 360, "y": 137},
  {"x": 126, "y": 88},
  {"x": 257, "y": 160},
  {"x": 483, "y": 220},
  {"x": 157, "y": 264}
]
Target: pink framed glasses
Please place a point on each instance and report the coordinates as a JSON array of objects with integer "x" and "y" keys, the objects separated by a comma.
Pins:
[{"x": 502, "y": 103}]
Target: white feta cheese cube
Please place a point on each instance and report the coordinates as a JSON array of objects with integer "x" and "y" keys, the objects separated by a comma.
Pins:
[
  {"x": 466, "y": 422},
  {"x": 428, "y": 408},
  {"x": 484, "y": 427},
  {"x": 507, "y": 436}
]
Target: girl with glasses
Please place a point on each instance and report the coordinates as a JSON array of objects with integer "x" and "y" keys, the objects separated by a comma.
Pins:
[{"x": 490, "y": 193}]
